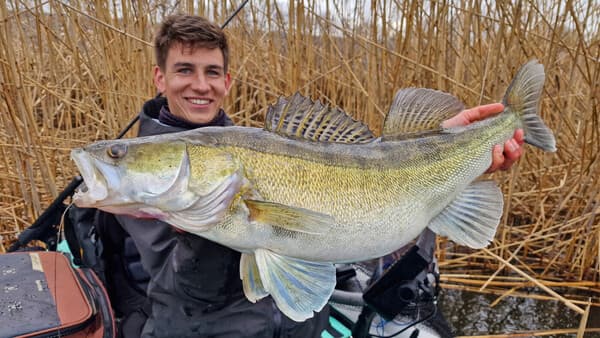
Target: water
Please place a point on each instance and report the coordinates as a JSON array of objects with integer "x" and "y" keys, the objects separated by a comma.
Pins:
[{"x": 471, "y": 314}]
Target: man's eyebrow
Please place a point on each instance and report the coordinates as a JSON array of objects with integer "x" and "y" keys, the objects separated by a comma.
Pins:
[
  {"x": 219, "y": 67},
  {"x": 183, "y": 64},
  {"x": 191, "y": 64}
]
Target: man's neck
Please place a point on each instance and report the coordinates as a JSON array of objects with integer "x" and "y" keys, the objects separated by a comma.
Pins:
[{"x": 166, "y": 117}]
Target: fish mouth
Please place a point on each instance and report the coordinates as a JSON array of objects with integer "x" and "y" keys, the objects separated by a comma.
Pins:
[{"x": 94, "y": 187}]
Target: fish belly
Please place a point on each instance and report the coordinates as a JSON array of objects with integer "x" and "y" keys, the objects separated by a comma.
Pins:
[{"x": 372, "y": 235}]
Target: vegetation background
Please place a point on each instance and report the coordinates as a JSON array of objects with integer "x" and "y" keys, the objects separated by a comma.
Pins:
[{"x": 75, "y": 71}]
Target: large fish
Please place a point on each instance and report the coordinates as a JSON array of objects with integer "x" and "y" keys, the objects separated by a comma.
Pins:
[{"x": 315, "y": 187}]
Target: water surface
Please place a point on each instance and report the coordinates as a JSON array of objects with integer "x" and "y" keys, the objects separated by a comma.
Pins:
[{"x": 471, "y": 314}]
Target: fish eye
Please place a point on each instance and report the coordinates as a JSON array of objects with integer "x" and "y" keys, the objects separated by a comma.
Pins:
[{"x": 116, "y": 151}]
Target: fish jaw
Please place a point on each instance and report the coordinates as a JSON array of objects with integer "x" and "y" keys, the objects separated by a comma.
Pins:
[
  {"x": 95, "y": 187},
  {"x": 113, "y": 187}
]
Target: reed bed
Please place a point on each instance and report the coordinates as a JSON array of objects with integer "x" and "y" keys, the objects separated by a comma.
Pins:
[{"x": 78, "y": 71}]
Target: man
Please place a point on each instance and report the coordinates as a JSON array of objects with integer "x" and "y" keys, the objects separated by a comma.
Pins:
[{"x": 193, "y": 288}]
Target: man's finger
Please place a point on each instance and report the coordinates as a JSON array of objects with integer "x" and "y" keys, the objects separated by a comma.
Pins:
[
  {"x": 471, "y": 115},
  {"x": 488, "y": 110},
  {"x": 497, "y": 158},
  {"x": 519, "y": 136}
]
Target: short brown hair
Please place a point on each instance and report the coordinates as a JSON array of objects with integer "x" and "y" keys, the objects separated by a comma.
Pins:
[{"x": 191, "y": 31}]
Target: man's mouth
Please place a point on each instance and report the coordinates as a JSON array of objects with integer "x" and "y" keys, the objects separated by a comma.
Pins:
[{"x": 199, "y": 101}]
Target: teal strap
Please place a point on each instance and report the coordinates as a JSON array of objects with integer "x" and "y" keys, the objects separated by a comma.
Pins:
[
  {"x": 343, "y": 331},
  {"x": 64, "y": 248}
]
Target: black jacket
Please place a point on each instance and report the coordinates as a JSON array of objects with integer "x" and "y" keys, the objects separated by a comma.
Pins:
[{"x": 193, "y": 285}]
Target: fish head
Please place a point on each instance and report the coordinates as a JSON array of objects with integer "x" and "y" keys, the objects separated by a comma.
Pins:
[{"x": 134, "y": 177}]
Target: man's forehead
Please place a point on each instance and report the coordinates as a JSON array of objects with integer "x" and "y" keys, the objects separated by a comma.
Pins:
[{"x": 196, "y": 55}]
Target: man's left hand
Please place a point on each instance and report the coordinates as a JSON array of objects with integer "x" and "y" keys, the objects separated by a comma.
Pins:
[{"x": 502, "y": 157}]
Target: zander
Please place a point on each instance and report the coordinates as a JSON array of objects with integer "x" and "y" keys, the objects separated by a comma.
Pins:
[{"x": 315, "y": 187}]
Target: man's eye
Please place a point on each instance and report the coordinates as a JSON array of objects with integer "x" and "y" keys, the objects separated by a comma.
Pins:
[
  {"x": 184, "y": 70},
  {"x": 213, "y": 73}
]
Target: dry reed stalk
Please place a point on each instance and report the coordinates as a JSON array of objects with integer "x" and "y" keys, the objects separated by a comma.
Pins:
[
  {"x": 583, "y": 321},
  {"x": 513, "y": 281},
  {"x": 568, "y": 303}
]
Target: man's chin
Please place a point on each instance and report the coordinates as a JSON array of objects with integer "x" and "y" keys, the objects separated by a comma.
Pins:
[{"x": 202, "y": 117}]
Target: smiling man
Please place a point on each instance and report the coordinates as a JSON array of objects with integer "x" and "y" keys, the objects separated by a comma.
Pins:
[
  {"x": 194, "y": 80},
  {"x": 165, "y": 283}
]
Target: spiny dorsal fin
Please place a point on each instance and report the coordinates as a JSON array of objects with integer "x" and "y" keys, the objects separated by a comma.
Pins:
[
  {"x": 418, "y": 110},
  {"x": 300, "y": 117}
]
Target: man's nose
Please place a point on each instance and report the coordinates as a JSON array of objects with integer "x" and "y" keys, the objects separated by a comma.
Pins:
[{"x": 200, "y": 83}]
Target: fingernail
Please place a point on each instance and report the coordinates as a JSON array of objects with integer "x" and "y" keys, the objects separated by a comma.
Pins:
[{"x": 512, "y": 145}]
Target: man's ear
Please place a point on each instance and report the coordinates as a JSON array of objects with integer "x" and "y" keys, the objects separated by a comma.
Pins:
[
  {"x": 159, "y": 79},
  {"x": 227, "y": 83}
]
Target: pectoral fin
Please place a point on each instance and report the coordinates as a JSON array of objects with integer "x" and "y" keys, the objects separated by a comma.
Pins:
[
  {"x": 298, "y": 287},
  {"x": 289, "y": 218},
  {"x": 472, "y": 218}
]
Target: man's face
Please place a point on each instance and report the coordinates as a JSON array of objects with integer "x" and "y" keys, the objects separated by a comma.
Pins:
[{"x": 194, "y": 82}]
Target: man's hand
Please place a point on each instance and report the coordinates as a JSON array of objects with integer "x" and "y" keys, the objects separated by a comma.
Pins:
[{"x": 502, "y": 157}]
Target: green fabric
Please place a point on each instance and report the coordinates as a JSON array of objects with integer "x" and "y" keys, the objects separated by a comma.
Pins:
[
  {"x": 339, "y": 327},
  {"x": 64, "y": 248}
]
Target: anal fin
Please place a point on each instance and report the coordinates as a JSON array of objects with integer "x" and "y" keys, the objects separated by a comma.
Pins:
[{"x": 472, "y": 218}]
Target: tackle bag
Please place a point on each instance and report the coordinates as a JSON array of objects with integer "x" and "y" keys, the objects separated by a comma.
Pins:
[{"x": 42, "y": 295}]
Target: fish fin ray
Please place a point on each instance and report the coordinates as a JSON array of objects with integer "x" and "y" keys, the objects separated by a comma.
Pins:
[
  {"x": 523, "y": 97},
  {"x": 472, "y": 218},
  {"x": 208, "y": 210},
  {"x": 298, "y": 287},
  {"x": 300, "y": 117},
  {"x": 289, "y": 218},
  {"x": 252, "y": 284},
  {"x": 417, "y": 111}
]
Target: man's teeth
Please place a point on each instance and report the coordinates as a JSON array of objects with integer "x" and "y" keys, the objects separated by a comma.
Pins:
[{"x": 199, "y": 101}]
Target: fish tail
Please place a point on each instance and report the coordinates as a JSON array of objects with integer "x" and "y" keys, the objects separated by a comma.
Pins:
[{"x": 522, "y": 97}]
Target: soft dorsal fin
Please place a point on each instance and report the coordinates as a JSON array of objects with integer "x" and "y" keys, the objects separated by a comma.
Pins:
[
  {"x": 300, "y": 117},
  {"x": 418, "y": 110}
]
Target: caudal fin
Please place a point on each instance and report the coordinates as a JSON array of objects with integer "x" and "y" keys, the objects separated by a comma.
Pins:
[{"x": 522, "y": 97}]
